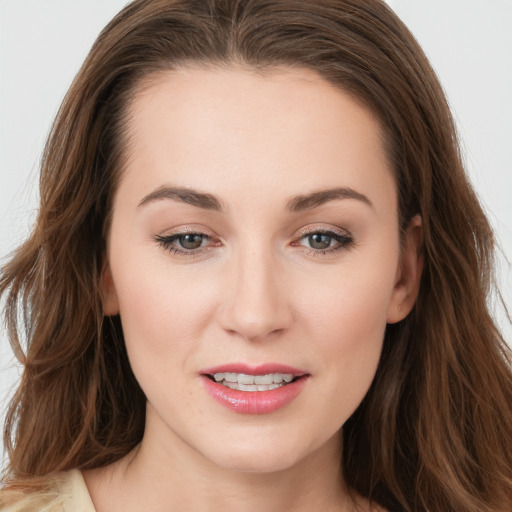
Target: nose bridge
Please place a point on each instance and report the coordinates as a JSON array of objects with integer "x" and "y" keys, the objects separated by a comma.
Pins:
[{"x": 257, "y": 303}]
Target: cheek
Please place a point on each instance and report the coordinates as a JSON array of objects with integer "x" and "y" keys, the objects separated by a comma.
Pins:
[
  {"x": 350, "y": 303},
  {"x": 163, "y": 313},
  {"x": 349, "y": 331},
  {"x": 348, "y": 323}
]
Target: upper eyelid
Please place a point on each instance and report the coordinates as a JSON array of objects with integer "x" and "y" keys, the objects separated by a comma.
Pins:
[
  {"x": 322, "y": 229},
  {"x": 187, "y": 230}
]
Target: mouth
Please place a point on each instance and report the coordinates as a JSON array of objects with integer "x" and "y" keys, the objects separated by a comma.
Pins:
[
  {"x": 254, "y": 390},
  {"x": 252, "y": 383}
]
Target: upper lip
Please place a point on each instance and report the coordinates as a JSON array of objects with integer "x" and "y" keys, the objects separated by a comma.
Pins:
[{"x": 260, "y": 369}]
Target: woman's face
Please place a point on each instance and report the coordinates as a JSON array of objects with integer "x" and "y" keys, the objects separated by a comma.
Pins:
[{"x": 254, "y": 233}]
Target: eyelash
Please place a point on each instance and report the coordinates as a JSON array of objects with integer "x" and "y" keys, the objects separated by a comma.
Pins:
[{"x": 344, "y": 240}]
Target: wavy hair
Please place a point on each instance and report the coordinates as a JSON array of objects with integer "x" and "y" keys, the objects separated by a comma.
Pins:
[{"x": 434, "y": 431}]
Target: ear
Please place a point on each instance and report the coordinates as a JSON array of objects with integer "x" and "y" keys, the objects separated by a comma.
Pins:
[
  {"x": 110, "y": 302},
  {"x": 408, "y": 274}
]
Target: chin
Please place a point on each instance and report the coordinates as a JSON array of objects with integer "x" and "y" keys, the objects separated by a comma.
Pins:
[
  {"x": 270, "y": 453},
  {"x": 243, "y": 462}
]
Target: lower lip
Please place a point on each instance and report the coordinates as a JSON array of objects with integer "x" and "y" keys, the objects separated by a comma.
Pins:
[{"x": 254, "y": 402}]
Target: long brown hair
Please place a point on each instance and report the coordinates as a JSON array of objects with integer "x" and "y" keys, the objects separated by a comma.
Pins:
[{"x": 434, "y": 431}]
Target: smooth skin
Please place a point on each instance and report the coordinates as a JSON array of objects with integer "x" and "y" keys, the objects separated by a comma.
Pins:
[{"x": 225, "y": 248}]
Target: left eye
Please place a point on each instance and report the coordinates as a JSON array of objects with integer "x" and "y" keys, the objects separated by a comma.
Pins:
[{"x": 325, "y": 241}]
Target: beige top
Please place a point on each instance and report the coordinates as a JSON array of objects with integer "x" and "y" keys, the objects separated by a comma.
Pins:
[
  {"x": 77, "y": 498},
  {"x": 67, "y": 493}
]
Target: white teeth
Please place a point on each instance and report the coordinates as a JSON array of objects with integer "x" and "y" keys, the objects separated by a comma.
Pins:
[
  {"x": 245, "y": 379},
  {"x": 251, "y": 387},
  {"x": 263, "y": 379},
  {"x": 244, "y": 382}
]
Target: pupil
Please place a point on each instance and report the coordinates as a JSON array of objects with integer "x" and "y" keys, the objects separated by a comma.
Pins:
[
  {"x": 319, "y": 241},
  {"x": 192, "y": 241}
]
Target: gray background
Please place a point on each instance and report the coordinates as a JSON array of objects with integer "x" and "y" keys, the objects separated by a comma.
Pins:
[{"x": 42, "y": 44}]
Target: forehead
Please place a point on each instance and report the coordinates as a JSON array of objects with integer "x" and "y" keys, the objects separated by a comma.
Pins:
[{"x": 241, "y": 129}]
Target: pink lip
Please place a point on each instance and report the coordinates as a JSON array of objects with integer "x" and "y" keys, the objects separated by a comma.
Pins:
[
  {"x": 261, "y": 369},
  {"x": 254, "y": 402}
]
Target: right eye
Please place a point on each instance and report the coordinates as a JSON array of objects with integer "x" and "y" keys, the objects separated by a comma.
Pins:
[{"x": 185, "y": 244}]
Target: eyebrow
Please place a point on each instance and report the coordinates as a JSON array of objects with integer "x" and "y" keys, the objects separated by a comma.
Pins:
[
  {"x": 184, "y": 195},
  {"x": 320, "y": 197},
  {"x": 210, "y": 202}
]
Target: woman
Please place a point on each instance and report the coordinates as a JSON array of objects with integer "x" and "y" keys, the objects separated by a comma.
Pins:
[{"x": 258, "y": 277}]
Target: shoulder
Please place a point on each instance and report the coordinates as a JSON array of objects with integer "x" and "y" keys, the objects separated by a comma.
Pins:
[{"x": 64, "y": 492}]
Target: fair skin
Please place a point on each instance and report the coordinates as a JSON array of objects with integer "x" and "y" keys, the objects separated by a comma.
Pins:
[{"x": 257, "y": 274}]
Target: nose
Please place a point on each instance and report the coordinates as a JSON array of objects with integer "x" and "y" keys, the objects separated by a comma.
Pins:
[{"x": 256, "y": 301}]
